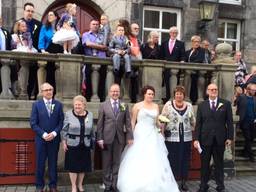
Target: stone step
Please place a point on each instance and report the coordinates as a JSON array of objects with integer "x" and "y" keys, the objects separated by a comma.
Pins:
[{"x": 245, "y": 168}]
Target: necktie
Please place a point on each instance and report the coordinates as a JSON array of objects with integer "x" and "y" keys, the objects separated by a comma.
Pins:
[
  {"x": 213, "y": 106},
  {"x": 115, "y": 107},
  {"x": 171, "y": 45},
  {"x": 48, "y": 106}
]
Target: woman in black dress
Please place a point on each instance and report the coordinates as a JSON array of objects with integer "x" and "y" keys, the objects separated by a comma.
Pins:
[{"x": 77, "y": 139}]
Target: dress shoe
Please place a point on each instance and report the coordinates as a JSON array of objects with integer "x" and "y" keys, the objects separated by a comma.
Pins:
[
  {"x": 202, "y": 190},
  {"x": 184, "y": 186}
]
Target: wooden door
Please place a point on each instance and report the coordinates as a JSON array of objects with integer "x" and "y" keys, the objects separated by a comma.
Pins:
[{"x": 85, "y": 13}]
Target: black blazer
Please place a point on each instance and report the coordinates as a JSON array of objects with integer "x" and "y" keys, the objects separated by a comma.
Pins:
[
  {"x": 177, "y": 54},
  {"x": 198, "y": 56},
  {"x": 242, "y": 106},
  {"x": 210, "y": 124},
  {"x": 8, "y": 39}
]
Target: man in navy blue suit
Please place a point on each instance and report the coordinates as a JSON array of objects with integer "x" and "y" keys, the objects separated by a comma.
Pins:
[{"x": 47, "y": 121}]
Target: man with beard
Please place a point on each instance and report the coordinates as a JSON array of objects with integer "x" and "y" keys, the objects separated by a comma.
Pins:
[{"x": 136, "y": 55}]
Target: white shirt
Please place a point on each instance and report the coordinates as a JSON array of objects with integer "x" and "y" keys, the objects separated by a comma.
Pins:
[
  {"x": 3, "y": 43},
  {"x": 215, "y": 102},
  {"x": 53, "y": 132},
  {"x": 112, "y": 102}
]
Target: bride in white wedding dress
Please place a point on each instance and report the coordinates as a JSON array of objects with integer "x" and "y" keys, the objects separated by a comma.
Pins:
[{"x": 144, "y": 166}]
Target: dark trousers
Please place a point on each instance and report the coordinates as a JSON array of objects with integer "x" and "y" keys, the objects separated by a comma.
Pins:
[
  {"x": 46, "y": 150},
  {"x": 247, "y": 127},
  {"x": 111, "y": 157},
  {"x": 217, "y": 151}
]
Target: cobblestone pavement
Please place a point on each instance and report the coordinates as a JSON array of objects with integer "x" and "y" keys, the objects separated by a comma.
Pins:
[{"x": 238, "y": 184}]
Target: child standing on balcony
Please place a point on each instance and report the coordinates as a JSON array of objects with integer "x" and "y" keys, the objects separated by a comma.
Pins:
[
  {"x": 21, "y": 39},
  {"x": 67, "y": 34},
  {"x": 120, "y": 46}
]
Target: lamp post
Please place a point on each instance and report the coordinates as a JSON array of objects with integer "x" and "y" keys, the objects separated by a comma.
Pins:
[{"x": 207, "y": 12}]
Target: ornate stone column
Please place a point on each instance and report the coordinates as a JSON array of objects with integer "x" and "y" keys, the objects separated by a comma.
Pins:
[
  {"x": 187, "y": 83},
  {"x": 6, "y": 80},
  {"x": 173, "y": 80},
  {"x": 125, "y": 86},
  {"x": 41, "y": 74},
  {"x": 201, "y": 85},
  {"x": 58, "y": 81},
  {"x": 23, "y": 79},
  {"x": 109, "y": 78},
  {"x": 95, "y": 83}
]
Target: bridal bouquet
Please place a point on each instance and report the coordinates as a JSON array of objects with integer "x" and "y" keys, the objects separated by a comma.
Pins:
[{"x": 163, "y": 119}]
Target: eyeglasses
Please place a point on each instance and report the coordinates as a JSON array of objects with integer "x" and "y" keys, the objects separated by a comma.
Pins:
[
  {"x": 45, "y": 90},
  {"x": 212, "y": 89},
  {"x": 31, "y": 11},
  {"x": 136, "y": 28}
]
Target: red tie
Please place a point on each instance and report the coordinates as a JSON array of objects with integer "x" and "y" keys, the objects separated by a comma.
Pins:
[{"x": 171, "y": 45}]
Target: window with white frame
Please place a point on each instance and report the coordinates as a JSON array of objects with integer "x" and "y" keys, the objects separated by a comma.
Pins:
[
  {"x": 229, "y": 32},
  {"x": 160, "y": 20},
  {"x": 237, "y": 2}
]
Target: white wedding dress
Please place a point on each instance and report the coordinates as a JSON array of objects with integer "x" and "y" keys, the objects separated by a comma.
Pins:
[{"x": 144, "y": 166}]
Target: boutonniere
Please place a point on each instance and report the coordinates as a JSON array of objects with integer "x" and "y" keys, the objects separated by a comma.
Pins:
[
  {"x": 5, "y": 33},
  {"x": 219, "y": 106},
  {"x": 52, "y": 107},
  {"x": 122, "y": 107},
  {"x": 35, "y": 27},
  {"x": 86, "y": 120}
]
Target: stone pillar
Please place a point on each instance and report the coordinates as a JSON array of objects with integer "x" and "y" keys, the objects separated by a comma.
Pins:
[
  {"x": 187, "y": 83},
  {"x": 6, "y": 80},
  {"x": 201, "y": 85},
  {"x": 226, "y": 73},
  {"x": 126, "y": 85},
  {"x": 58, "y": 81},
  {"x": 68, "y": 78},
  {"x": 152, "y": 75},
  {"x": 23, "y": 79},
  {"x": 95, "y": 83},
  {"x": 173, "y": 80},
  {"x": 109, "y": 78},
  {"x": 41, "y": 74}
]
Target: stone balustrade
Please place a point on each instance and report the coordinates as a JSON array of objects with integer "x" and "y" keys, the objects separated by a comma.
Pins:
[{"x": 68, "y": 75}]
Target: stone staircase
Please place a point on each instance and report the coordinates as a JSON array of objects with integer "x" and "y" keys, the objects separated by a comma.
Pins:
[{"x": 242, "y": 165}]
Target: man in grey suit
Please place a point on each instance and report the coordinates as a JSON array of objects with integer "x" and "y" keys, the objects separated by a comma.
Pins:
[{"x": 113, "y": 130}]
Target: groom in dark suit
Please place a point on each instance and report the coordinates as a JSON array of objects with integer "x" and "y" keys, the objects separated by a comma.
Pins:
[
  {"x": 46, "y": 121},
  {"x": 171, "y": 50},
  {"x": 113, "y": 131},
  {"x": 214, "y": 130}
]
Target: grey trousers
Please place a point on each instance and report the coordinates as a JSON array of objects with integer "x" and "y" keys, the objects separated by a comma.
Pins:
[
  {"x": 111, "y": 157},
  {"x": 116, "y": 62}
]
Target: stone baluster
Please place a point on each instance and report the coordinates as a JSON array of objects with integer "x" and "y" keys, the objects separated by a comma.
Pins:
[
  {"x": 58, "y": 81},
  {"x": 173, "y": 80},
  {"x": 41, "y": 75},
  {"x": 125, "y": 84},
  {"x": 201, "y": 83},
  {"x": 23, "y": 75},
  {"x": 109, "y": 78},
  {"x": 6, "y": 80},
  {"x": 95, "y": 83},
  {"x": 187, "y": 83}
]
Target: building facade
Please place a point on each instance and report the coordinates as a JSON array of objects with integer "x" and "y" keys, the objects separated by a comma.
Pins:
[{"x": 233, "y": 22}]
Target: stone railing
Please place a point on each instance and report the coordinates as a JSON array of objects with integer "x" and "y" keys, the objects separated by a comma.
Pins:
[{"x": 68, "y": 75}]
